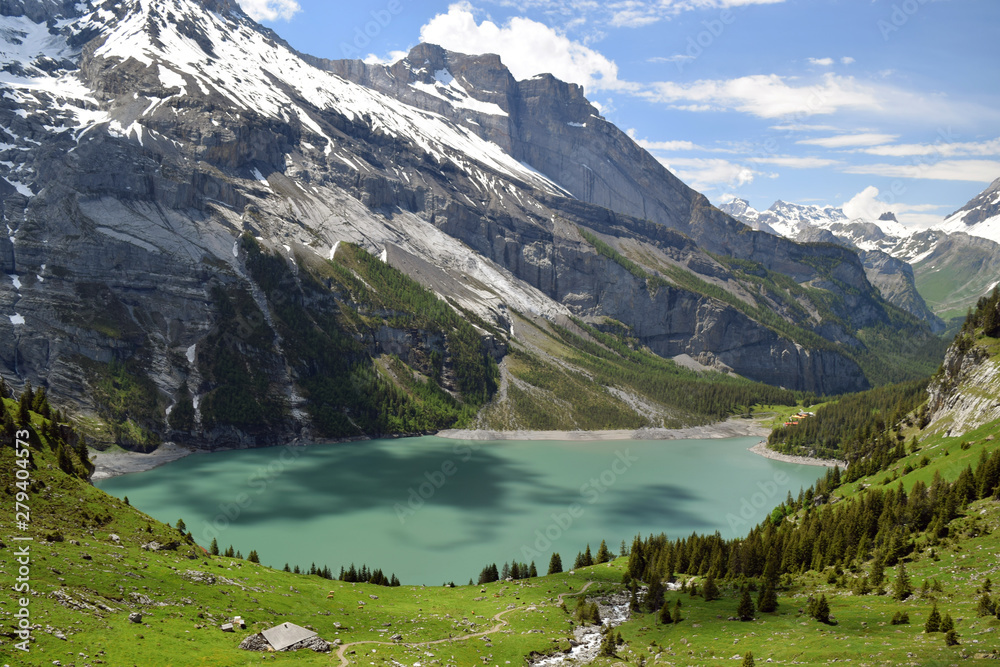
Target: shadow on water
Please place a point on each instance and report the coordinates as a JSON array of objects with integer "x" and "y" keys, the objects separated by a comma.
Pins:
[
  {"x": 299, "y": 484},
  {"x": 657, "y": 504}
]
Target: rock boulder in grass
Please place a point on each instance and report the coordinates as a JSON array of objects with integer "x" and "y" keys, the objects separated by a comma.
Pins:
[
  {"x": 316, "y": 643},
  {"x": 255, "y": 642}
]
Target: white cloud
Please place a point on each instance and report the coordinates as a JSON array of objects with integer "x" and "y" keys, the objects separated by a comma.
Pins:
[
  {"x": 769, "y": 95},
  {"x": 526, "y": 47},
  {"x": 270, "y": 10},
  {"x": 711, "y": 173},
  {"x": 980, "y": 171},
  {"x": 846, "y": 60},
  {"x": 394, "y": 56},
  {"x": 944, "y": 149},
  {"x": 865, "y": 205},
  {"x": 824, "y": 62},
  {"x": 794, "y": 162},
  {"x": 625, "y": 13},
  {"x": 678, "y": 58},
  {"x": 805, "y": 127},
  {"x": 844, "y": 140},
  {"x": 665, "y": 145}
]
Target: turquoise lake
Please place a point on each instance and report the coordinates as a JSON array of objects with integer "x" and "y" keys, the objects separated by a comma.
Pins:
[{"x": 433, "y": 510}]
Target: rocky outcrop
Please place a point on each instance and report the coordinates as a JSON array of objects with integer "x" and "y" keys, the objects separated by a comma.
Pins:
[
  {"x": 965, "y": 394},
  {"x": 895, "y": 281},
  {"x": 127, "y": 209}
]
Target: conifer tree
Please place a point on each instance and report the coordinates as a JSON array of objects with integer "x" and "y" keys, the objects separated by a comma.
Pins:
[
  {"x": 555, "y": 564},
  {"x": 214, "y": 548},
  {"x": 588, "y": 559},
  {"x": 819, "y": 609},
  {"x": 745, "y": 610},
  {"x": 603, "y": 553},
  {"x": 947, "y": 623},
  {"x": 677, "y": 611},
  {"x": 608, "y": 643},
  {"x": 710, "y": 591},
  {"x": 532, "y": 570},
  {"x": 748, "y": 659},
  {"x": 985, "y": 607},
  {"x": 933, "y": 623},
  {"x": 901, "y": 587},
  {"x": 654, "y": 595},
  {"x": 253, "y": 557},
  {"x": 636, "y": 560},
  {"x": 286, "y": 568},
  {"x": 877, "y": 576},
  {"x": 664, "y": 616},
  {"x": 767, "y": 600},
  {"x": 951, "y": 638}
]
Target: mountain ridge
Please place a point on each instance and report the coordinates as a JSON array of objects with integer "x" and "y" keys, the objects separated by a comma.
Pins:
[{"x": 166, "y": 134}]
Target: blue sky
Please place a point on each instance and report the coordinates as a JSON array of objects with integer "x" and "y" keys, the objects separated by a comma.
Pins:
[{"x": 880, "y": 104}]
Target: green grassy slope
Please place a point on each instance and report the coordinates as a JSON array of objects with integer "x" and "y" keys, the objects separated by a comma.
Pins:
[{"x": 89, "y": 570}]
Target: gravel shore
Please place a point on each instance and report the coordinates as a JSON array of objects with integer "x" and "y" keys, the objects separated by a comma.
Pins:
[
  {"x": 120, "y": 462},
  {"x": 762, "y": 449},
  {"x": 732, "y": 428}
]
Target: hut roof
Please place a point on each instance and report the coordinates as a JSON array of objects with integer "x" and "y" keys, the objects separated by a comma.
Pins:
[{"x": 284, "y": 635}]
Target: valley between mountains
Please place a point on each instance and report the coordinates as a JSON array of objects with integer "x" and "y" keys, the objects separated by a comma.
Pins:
[{"x": 215, "y": 243}]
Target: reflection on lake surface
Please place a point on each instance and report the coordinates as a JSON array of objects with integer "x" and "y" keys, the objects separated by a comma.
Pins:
[{"x": 433, "y": 510}]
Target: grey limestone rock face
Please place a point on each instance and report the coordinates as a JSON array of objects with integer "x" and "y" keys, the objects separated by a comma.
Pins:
[{"x": 125, "y": 206}]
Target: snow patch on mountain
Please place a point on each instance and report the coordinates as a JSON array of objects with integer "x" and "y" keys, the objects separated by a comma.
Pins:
[
  {"x": 980, "y": 217},
  {"x": 447, "y": 88},
  {"x": 245, "y": 63}
]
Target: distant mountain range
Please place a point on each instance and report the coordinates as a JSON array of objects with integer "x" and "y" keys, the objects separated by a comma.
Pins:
[
  {"x": 934, "y": 273},
  {"x": 192, "y": 208}
]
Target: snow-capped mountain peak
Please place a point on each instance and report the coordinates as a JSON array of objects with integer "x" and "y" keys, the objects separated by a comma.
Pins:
[{"x": 979, "y": 217}]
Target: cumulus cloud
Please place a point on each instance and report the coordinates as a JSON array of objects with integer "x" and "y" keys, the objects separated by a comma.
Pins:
[
  {"x": 845, "y": 140},
  {"x": 846, "y": 60},
  {"x": 525, "y": 46},
  {"x": 865, "y": 205},
  {"x": 823, "y": 62},
  {"x": 270, "y": 10}
]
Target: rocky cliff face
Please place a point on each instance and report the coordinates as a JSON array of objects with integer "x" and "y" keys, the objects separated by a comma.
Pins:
[
  {"x": 884, "y": 255},
  {"x": 144, "y": 140},
  {"x": 966, "y": 392}
]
